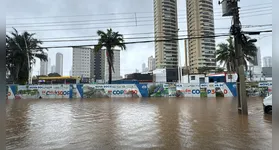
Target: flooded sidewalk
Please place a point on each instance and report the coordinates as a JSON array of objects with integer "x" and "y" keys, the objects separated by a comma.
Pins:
[{"x": 137, "y": 123}]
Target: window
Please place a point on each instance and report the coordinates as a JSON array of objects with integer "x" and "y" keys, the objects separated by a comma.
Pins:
[{"x": 193, "y": 77}]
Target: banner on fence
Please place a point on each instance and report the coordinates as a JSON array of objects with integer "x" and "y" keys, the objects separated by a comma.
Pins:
[{"x": 125, "y": 90}]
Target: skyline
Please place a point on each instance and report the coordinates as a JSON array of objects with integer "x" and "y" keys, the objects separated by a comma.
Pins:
[{"x": 142, "y": 51}]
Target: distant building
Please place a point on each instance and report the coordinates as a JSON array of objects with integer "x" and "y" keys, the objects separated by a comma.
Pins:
[
  {"x": 49, "y": 65},
  {"x": 257, "y": 58},
  {"x": 59, "y": 64},
  {"x": 267, "y": 61},
  {"x": 53, "y": 69},
  {"x": 43, "y": 67},
  {"x": 143, "y": 67},
  {"x": 81, "y": 62},
  {"x": 141, "y": 77},
  {"x": 151, "y": 63},
  {"x": 267, "y": 72}
]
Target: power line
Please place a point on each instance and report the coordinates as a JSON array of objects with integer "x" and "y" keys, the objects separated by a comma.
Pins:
[
  {"x": 138, "y": 25},
  {"x": 109, "y": 14},
  {"x": 146, "y": 37},
  {"x": 136, "y": 42},
  {"x": 150, "y": 41},
  {"x": 82, "y": 23},
  {"x": 108, "y": 19},
  {"x": 245, "y": 26},
  {"x": 148, "y": 33}
]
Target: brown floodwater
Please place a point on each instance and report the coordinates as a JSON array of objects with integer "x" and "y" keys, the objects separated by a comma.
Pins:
[{"x": 151, "y": 123}]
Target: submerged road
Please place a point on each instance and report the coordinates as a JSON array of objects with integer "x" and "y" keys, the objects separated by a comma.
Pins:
[{"x": 152, "y": 123}]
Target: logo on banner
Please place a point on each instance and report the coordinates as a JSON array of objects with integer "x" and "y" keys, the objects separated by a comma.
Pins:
[
  {"x": 225, "y": 91},
  {"x": 210, "y": 91},
  {"x": 144, "y": 87},
  {"x": 56, "y": 92},
  {"x": 118, "y": 92},
  {"x": 9, "y": 94},
  {"x": 188, "y": 90},
  {"x": 178, "y": 85},
  {"x": 196, "y": 91}
]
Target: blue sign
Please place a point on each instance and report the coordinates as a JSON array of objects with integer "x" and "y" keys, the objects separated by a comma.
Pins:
[
  {"x": 118, "y": 92},
  {"x": 196, "y": 91}
]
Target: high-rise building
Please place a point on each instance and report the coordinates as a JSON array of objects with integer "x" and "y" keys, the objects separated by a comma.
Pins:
[
  {"x": 267, "y": 61},
  {"x": 88, "y": 64},
  {"x": 49, "y": 65},
  {"x": 143, "y": 66},
  {"x": 151, "y": 63},
  {"x": 166, "y": 27},
  {"x": 43, "y": 68},
  {"x": 81, "y": 62},
  {"x": 59, "y": 64},
  {"x": 257, "y": 58},
  {"x": 53, "y": 70},
  {"x": 200, "y": 22}
]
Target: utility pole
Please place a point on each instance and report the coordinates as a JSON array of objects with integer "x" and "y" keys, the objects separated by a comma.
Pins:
[{"x": 230, "y": 8}]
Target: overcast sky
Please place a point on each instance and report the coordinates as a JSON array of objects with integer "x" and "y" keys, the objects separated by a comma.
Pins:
[{"x": 112, "y": 13}]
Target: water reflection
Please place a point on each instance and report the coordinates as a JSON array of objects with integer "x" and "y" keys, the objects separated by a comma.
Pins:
[{"x": 154, "y": 123}]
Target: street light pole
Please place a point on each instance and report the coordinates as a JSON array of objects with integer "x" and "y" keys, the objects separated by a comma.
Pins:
[{"x": 230, "y": 8}]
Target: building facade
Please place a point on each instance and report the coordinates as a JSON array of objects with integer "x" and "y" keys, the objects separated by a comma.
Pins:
[
  {"x": 94, "y": 66},
  {"x": 257, "y": 58},
  {"x": 53, "y": 69},
  {"x": 49, "y": 65},
  {"x": 59, "y": 64},
  {"x": 43, "y": 67},
  {"x": 166, "y": 27},
  {"x": 200, "y": 22},
  {"x": 267, "y": 61},
  {"x": 81, "y": 65},
  {"x": 151, "y": 63}
]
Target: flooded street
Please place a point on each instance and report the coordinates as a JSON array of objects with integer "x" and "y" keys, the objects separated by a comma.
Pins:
[{"x": 151, "y": 123}]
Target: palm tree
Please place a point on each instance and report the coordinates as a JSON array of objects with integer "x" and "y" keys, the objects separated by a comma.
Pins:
[
  {"x": 21, "y": 51},
  {"x": 204, "y": 70},
  {"x": 110, "y": 40},
  {"x": 226, "y": 54}
]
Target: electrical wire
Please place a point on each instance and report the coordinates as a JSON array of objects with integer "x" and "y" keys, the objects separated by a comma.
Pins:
[
  {"x": 150, "y": 41},
  {"x": 138, "y": 25},
  {"x": 109, "y": 14}
]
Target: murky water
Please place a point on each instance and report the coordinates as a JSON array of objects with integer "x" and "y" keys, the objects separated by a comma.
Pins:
[{"x": 153, "y": 123}]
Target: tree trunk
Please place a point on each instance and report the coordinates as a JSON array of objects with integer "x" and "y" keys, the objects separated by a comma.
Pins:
[{"x": 110, "y": 73}]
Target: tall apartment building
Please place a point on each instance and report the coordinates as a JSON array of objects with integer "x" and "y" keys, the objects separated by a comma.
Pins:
[
  {"x": 53, "y": 69},
  {"x": 200, "y": 22},
  {"x": 88, "y": 64},
  {"x": 151, "y": 63},
  {"x": 267, "y": 61},
  {"x": 166, "y": 27},
  {"x": 257, "y": 58},
  {"x": 59, "y": 64},
  {"x": 81, "y": 62},
  {"x": 49, "y": 65},
  {"x": 43, "y": 68}
]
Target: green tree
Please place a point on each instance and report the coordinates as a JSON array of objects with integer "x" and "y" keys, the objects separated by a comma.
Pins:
[
  {"x": 21, "y": 51},
  {"x": 219, "y": 70},
  {"x": 226, "y": 54},
  {"x": 110, "y": 40},
  {"x": 204, "y": 70},
  {"x": 54, "y": 74}
]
